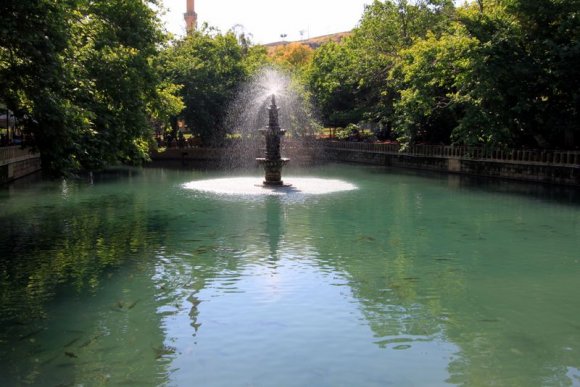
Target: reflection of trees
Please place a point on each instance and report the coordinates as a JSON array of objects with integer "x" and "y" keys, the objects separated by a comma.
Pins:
[
  {"x": 67, "y": 245},
  {"x": 379, "y": 252},
  {"x": 55, "y": 258},
  {"x": 449, "y": 281}
]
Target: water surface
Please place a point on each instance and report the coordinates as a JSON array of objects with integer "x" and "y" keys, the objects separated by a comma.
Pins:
[{"x": 132, "y": 279}]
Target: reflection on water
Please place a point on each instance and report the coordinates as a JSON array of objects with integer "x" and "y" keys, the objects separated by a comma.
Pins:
[{"x": 411, "y": 279}]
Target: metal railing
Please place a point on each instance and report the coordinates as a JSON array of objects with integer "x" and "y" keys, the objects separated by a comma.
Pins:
[
  {"x": 14, "y": 153},
  {"x": 537, "y": 156}
]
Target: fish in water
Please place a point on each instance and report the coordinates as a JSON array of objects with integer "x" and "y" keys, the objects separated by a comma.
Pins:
[
  {"x": 121, "y": 305},
  {"x": 72, "y": 342},
  {"x": 71, "y": 355},
  {"x": 163, "y": 350},
  {"x": 91, "y": 340}
]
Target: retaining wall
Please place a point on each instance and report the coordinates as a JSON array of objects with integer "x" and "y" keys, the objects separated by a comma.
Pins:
[
  {"x": 562, "y": 167},
  {"x": 16, "y": 162}
]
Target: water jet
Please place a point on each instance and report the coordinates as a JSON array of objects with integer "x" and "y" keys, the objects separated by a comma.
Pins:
[{"x": 270, "y": 92}]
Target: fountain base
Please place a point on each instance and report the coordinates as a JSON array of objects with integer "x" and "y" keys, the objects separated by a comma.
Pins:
[{"x": 273, "y": 171}]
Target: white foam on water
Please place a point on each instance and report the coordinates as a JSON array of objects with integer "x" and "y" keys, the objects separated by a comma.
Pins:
[{"x": 252, "y": 186}]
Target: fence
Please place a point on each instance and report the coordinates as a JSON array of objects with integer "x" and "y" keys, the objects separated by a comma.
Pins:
[
  {"x": 13, "y": 153},
  {"x": 464, "y": 152}
]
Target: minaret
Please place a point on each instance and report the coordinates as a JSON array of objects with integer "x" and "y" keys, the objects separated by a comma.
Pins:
[{"x": 190, "y": 16}]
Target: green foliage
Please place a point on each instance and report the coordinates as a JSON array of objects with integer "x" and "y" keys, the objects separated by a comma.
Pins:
[
  {"x": 254, "y": 59},
  {"x": 210, "y": 67},
  {"x": 349, "y": 80},
  {"x": 82, "y": 77},
  {"x": 501, "y": 72},
  {"x": 330, "y": 80},
  {"x": 435, "y": 82}
]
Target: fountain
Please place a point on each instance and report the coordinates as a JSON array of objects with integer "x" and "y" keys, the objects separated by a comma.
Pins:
[
  {"x": 273, "y": 162},
  {"x": 270, "y": 91}
]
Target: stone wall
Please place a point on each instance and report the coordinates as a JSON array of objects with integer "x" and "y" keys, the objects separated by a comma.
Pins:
[
  {"x": 16, "y": 163},
  {"x": 517, "y": 170}
]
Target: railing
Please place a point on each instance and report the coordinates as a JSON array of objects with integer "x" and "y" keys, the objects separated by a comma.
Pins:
[
  {"x": 464, "y": 152},
  {"x": 12, "y": 153}
]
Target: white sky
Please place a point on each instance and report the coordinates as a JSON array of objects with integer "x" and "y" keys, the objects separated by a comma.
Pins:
[{"x": 266, "y": 20}]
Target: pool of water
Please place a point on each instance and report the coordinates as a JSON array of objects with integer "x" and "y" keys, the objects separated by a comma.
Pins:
[{"x": 132, "y": 278}]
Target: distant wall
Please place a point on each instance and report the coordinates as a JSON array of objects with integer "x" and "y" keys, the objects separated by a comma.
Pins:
[
  {"x": 188, "y": 154},
  {"x": 16, "y": 162},
  {"x": 552, "y": 167}
]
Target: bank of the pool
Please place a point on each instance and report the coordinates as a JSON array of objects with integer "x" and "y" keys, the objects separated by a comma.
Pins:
[
  {"x": 17, "y": 162},
  {"x": 553, "y": 167}
]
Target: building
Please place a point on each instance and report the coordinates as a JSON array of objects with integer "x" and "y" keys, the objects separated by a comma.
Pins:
[{"x": 190, "y": 16}]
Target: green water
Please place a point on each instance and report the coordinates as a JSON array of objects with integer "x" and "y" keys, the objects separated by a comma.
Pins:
[{"x": 409, "y": 280}]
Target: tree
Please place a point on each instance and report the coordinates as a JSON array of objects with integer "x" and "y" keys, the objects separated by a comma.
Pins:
[
  {"x": 293, "y": 56},
  {"x": 435, "y": 83},
  {"x": 547, "y": 81},
  {"x": 120, "y": 43},
  {"x": 330, "y": 80},
  {"x": 503, "y": 75},
  {"x": 81, "y": 75},
  {"x": 32, "y": 42},
  {"x": 362, "y": 63},
  {"x": 209, "y": 66}
]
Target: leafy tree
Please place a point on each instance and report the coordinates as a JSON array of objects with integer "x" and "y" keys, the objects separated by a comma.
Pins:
[
  {"x": 81, "y": 75},
  {"x": 209, "y": 66},
  {"x": 120, "y": 41},
  {"x": 255, "y": 59},
  {"x": 494, "y": 78},
  {"x": 293, "y": 56},
  {"x": 330, "y": 80},
  {"x": 362, "y": 63},
  {"x": 32, "y": 42},
  {"x": 546, "y": 84}
]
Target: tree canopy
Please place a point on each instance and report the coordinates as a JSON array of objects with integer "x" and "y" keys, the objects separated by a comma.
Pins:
[
  {"x": 82, "y": 77},
  {"x": 499, "y": 72},
  {"x": 210, "y": 67}
]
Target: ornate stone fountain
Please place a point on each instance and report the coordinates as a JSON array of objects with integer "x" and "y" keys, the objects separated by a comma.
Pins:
[{"x": 273, "y": 162}]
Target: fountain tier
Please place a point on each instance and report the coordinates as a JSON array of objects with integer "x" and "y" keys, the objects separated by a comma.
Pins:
[{"x": 273, "y": 162}]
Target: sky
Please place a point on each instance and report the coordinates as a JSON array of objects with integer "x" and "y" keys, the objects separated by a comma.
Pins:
[{"x": 266, "y": 20}]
